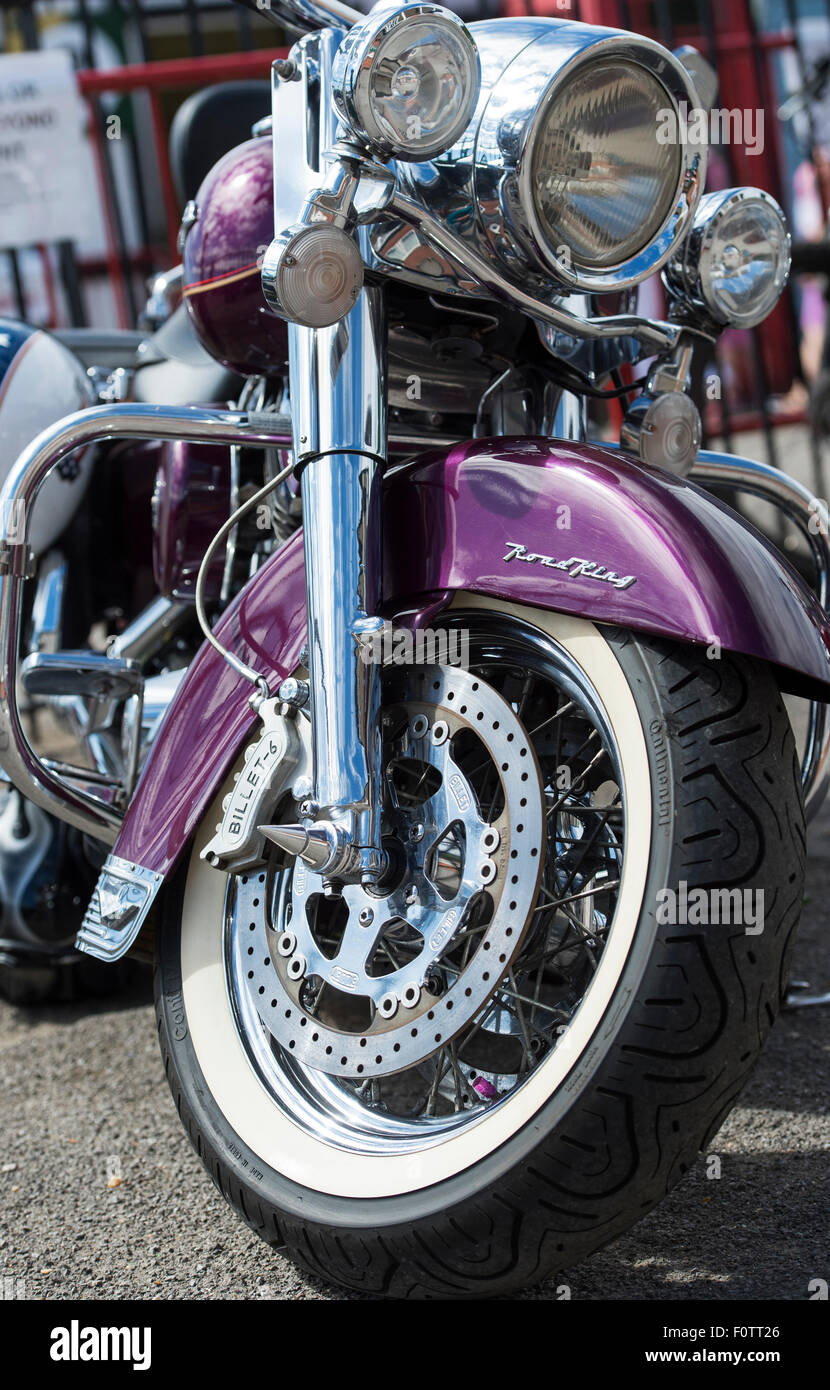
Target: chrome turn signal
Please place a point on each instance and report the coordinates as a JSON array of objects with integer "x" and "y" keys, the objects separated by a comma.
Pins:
[
  {"x": 312, "y": 275},
  {"x": 663, "y": 430}
]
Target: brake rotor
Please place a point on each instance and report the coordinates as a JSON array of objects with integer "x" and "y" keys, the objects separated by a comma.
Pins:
[{"x": 380, "y": 987}]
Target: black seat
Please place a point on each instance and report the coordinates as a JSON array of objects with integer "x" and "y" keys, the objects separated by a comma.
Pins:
[{"x": 210, "y": 123}]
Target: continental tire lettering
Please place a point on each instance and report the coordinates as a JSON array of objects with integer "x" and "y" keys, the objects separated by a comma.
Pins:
[{"x": 661, "y": 769}]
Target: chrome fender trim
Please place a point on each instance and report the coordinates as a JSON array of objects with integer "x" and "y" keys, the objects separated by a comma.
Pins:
[{"x": 118, "y": 908}]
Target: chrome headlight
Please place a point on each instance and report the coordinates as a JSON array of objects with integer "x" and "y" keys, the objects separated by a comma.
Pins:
[
  {"x": 601, "y": 184},
  {"x": 407, "y": 79},
  {"x": 737, "y": 258},
  {"x": 575, "y": 171}
]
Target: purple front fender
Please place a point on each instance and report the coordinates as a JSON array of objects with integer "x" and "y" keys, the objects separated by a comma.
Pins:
[{"x": 568, "y": 527}]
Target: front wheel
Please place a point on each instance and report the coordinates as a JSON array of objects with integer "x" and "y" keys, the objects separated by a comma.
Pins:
[{"x": 480, "y": 1073}]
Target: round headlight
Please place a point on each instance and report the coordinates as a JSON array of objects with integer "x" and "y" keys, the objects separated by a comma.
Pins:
[
  {"x": 406, "y": 81},
  {"x": 577, "y": 170},
  {"x": 602, "y": 183},
  {"x": 737, "y": 257}
]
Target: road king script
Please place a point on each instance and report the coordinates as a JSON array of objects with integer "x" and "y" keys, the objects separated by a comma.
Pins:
[{"x": 575, "y": 568}]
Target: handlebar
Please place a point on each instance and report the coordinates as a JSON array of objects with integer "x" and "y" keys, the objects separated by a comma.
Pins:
[
  {"x": 811, "y": 258},
  {"x": 305, "y": 14}
]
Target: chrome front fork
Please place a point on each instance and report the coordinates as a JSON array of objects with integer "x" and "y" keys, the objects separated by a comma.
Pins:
[
  {"x": 337, "y": 385},
  {"x": 338, "y": 404}
]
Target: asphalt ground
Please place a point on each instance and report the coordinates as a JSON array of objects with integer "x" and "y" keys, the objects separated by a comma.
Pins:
[{"x": 101, "y": 1195}]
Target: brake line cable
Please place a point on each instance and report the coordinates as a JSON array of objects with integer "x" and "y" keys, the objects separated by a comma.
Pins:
[{"x": 201, "y": 580}]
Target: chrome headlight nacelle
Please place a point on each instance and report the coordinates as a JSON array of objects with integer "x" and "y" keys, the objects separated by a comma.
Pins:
[
  {"x": 736, "y": 260},
  {"x": 563, "y": 176},
  {"x": 406, "y": 80}
]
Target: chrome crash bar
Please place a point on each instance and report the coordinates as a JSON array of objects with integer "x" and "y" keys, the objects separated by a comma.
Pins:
[
  {"x": 38, "y": 781},
  {"x": 44, "y": 784}
]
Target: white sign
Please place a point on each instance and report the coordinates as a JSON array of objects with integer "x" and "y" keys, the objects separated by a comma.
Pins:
[{"x": 47, "y": 182}]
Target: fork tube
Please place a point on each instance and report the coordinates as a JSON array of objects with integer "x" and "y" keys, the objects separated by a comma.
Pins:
[{"x": 338, "y": 401}]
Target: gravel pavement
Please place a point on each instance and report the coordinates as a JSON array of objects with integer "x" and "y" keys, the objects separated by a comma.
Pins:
[{"x": 101, "y": 1195}]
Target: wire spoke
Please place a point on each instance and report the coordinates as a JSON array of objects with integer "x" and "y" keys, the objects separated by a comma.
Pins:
[
  {"x": 563, "y": 709},
  {"x": 523, "y": 998},
  {"x": 586, "y": 845},
  {"x": 457, "y": 1077},
  {"x": 580, "y": 779},
  {"x": 546, "y": 977},
  {"x": 532, "y": 1027},
  {"x": 577, "y": 897},
  {"x": 522, "y": 1021},
  {"x": 440, "y": 1073}
]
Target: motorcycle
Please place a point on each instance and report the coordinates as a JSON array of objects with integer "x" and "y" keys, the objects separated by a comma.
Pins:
[{"x": 471, "y": 845}]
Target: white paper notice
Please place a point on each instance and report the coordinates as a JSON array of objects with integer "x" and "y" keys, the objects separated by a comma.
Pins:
[{"x": 47, "y": 182}]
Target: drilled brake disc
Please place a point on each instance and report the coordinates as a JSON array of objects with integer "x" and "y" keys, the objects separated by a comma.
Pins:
[{"x": 365, "y": 983}]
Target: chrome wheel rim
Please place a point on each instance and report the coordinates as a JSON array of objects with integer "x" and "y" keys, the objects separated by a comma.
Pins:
[{"x": 569, "y": 920}]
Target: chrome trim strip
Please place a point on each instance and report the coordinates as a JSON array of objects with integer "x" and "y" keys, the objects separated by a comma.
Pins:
[{"x": 118, "y": 908}]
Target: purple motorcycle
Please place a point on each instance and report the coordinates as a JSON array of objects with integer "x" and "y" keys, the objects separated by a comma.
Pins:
[{"x": 470, "y": 846}]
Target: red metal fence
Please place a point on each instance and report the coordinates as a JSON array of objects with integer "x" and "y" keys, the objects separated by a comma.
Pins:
[
  {"x": 154, "y": 79},
  {"x": 137, "y": 59}
]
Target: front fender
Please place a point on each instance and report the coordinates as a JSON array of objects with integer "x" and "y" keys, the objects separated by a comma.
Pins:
[{"x": 569, "y": 527}]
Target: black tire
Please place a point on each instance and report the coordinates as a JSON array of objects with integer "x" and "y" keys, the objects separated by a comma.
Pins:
[{"x": 666, "y": 1066}]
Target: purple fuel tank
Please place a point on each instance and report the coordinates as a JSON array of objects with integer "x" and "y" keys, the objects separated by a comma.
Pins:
[{"x": 223, "y": 250}]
